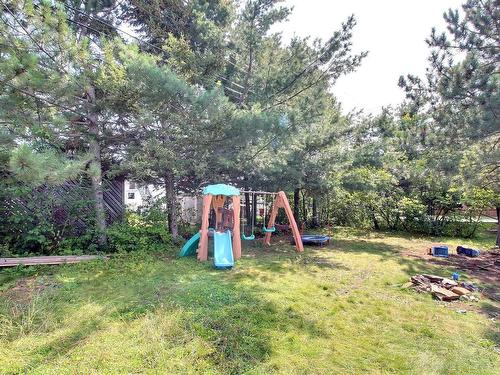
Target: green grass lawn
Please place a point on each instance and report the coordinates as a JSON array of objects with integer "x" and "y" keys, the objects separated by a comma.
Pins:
[{"x": 330, "y": 310}]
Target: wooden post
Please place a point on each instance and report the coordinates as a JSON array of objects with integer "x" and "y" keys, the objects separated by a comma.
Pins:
[
  {"x": 203, "y": 246},
  {"x": 171, "y": 200},
  {"x": 236, "y": 227}
]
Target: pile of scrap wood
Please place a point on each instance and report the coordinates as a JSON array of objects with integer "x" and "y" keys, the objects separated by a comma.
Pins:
[{"x": 442, "y": 288}]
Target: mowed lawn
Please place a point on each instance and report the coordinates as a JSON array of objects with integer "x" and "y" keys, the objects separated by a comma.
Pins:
[{"x": 339, "y": 309}]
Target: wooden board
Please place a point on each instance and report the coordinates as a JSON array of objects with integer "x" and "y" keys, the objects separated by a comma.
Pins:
[
  {"x": 443, "y": 294},
  {"x": 33, "y": 261},
  {"x": 460, "y": 291}
]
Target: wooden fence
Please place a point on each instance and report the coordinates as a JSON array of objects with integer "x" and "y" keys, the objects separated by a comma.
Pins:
[
  {"x": 114, "y": 199},
  {"x": 69, "y": 204}
]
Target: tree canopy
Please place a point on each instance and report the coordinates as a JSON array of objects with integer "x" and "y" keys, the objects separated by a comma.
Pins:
[{"x": 180, "y": 94}]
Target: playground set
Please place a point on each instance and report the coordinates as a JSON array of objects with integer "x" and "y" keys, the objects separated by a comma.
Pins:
[{"x": 222, "y": 208}]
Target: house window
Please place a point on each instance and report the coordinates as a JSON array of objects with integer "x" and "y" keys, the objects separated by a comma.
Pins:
[
  {"x": 132, "y": 185},
  {"x": 131, "y": 195}
]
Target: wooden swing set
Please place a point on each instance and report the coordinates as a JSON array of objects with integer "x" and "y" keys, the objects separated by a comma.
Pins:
[{"x": 223, "y": 195}]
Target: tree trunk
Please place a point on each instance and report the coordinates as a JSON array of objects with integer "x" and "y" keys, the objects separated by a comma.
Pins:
[
  {"x": 498, "y": 227},
  {"x": 304, "y": 207},
  {"x": 376, "y": 225},
  {"x": 95, "y": 169},
  {"x": 327, "y": 208},
  {"x": 244, "y": 95},
  {"x": 248, "y": 73},
  {"x": 315, "y": 219},
  {"x": 296, "y": 205},
  {"x": 171, "y": 201}
]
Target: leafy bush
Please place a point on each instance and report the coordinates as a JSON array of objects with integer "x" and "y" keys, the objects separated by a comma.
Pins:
[
  {"x": 187, "y": 230},
  {"x": 448, "y": 212},
  {"x": 348, "y": 209},
  {"x": 139, "y": 232},
  {"x": 84, "y": 244},
  {"x": 414, "y": 217},
  {"x": 457, "y": 227}
]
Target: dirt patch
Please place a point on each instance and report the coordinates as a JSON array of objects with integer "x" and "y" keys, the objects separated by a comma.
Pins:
[
  {"x": 491, "y": 312},
  {"x": 320, "y": 262},
  {"x": 356, "y": 283},
  {"x": 26, "y": 289},
  {"x": 485, "y": 267}
]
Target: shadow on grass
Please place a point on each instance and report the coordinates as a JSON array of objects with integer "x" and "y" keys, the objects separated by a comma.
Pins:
[
  {"x": 493, "y": 312},
  {"x": 235, "y": 319},
  {"x": 381, "y": 249},
  {"x": 239, "y": 323},
  {"x": 309, "y": 259},
  {"x": 281, "y": 258},
  {"x": 60, "y": 346},
  {"x": 492, "y": 334}
]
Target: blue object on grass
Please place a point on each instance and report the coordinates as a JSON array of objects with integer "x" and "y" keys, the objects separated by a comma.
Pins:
[
  {"x": 221, "y": 189},
  {"x": 223, "y": 250},
  {"x": 190, "y": 246},
  {"x": 467, "y": 251},
  {"x": 440, "y": 251},
  {"x": 455, "y": 276}
]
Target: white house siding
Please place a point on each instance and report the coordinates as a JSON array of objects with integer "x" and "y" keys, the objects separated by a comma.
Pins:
[{"x": 137, "y": 195}]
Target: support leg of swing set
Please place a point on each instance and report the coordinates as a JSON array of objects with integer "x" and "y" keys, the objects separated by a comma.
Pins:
[
  {"x": 203, "y": 246},
  {"x": 281, "y": 201},
  {"x": 236, "y": 228}
]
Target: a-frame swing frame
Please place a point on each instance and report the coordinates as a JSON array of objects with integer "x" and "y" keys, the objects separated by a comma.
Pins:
[{"x": 281, "y": 201}]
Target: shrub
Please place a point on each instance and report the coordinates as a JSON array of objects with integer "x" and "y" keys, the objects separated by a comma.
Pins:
[
  {"x": 414, "y": 217},
  {"x": 40, "y": 220},
  {"x": 457, "y": 227},
  {"x": 187, "y": 230},
  {"x": 138, "y": 232},
  {"x": 348, "y": 209}
]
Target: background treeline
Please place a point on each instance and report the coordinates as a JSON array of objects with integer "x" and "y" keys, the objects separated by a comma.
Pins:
[{"x": 202, "y": 91}]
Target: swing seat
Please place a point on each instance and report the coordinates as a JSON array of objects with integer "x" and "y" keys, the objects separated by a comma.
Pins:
[
  {"x": 249, "y": 238},
  {"x": 269, "y": 230}
]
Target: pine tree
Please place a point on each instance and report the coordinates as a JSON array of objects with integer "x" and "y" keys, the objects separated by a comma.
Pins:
[
  {"x": 462, "y": 91},
  {"x": 49, "y": 70}
]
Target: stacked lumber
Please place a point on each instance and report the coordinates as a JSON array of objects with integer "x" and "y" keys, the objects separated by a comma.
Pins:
[{"x": 442, "y": 288}]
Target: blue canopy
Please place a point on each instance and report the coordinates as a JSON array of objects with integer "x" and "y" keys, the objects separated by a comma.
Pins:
[{"x": 221, "y": 189}]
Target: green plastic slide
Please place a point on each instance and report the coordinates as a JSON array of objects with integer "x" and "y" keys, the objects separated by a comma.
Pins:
[
  {"x": 191, "y": 246},
  {"x": 223, "y": 250}
]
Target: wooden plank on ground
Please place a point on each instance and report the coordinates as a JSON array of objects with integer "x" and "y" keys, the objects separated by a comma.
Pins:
[
  {"x": 460, "y": 291},
  {"x": 443, "y": 294},
  {"x": 47, "y": 260}
]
